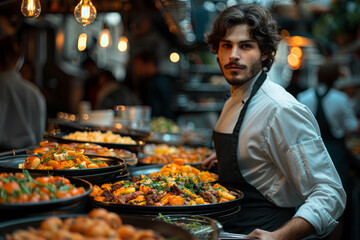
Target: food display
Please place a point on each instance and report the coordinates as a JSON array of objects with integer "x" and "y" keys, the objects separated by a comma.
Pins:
[
  {"x": 98, "y": 224},
  {"x": 163, "y": 191},
  {"x": 179, "y": 169},
  {"x": 60, "y": 158},
  {"x": 165, "y": 153},
  {"x": 164, "y": 125},
  {"x": 85, "y": 148},
  {"x": 100, "y": 137},
  {"x": 23, "y": 188}
]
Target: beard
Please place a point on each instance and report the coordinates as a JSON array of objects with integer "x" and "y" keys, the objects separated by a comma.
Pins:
[{"x": 233, "y": 78}]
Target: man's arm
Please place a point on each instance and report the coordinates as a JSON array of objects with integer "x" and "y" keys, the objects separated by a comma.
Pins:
[{"x": 296, "y": 228}]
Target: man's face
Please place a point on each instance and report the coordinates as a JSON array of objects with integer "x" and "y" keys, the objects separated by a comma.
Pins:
[{"x": 239, "y": 56}]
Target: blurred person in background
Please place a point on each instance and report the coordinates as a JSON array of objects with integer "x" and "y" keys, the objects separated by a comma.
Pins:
[
  {"x": 336, "y": 118},
  {"x": 334, "y": 114},
  {"x": 267, "y": 144},
  {"x": 92, "y": 73},
  {"x": 22, "y": 105},
  {"x": 113, "y": 93},
  {"x": 151, "y": 87}
]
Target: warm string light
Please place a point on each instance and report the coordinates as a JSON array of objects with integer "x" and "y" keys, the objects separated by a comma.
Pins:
[
  {"x": 85, "y": 12},
  {"x": 31, "y": 8}
]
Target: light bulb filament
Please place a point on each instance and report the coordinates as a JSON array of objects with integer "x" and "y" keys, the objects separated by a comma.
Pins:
[
  {"x": 85, "y": 12},
  {"x": 31, "y": 7}
]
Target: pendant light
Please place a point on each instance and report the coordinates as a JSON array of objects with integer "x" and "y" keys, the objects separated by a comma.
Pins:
[
  {"x": 123, "y": 44},
  {"x": 105, "y": 38},
  {"x": 82, "y": 42},
  {"x": 85, "y": 12},
  {"x": 31, "y": 8}
]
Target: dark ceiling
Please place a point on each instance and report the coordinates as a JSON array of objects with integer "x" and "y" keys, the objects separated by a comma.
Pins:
[{"x": 67, "y": 6}]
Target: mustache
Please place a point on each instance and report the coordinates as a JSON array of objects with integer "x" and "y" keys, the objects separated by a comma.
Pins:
[{"x": 234, "y": 64}]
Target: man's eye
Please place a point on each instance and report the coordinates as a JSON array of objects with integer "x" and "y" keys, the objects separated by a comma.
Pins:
[
  {"x": 226, "y": 45},
  {"x": 246, "y": 46}
]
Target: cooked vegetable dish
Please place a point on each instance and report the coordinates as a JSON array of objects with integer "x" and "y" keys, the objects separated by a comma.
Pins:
[
  {"x": 179, "y": 169},
  {"x": 164, "y": 154},
  {"x": 22, "y": 188},
  {"x": 60, "y": 158},
  {"x": 163, "y": 191},
  {"x": 85, "y": 148}
]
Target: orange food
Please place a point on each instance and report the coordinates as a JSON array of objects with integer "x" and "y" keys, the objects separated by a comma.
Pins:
[
  {"x": 62, "y": 158},
  {"x": 35, "y": 190}
]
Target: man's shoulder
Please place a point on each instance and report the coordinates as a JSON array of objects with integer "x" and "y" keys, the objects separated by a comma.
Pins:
[{"x": 276, "y": 93}]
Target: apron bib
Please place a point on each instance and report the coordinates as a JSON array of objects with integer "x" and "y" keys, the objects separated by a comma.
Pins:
[{"x": 256, "y": 211}]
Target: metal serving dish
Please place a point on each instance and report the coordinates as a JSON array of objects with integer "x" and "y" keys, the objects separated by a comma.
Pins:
[
  {"x": 12, "y": 210},
  {"x": 11, "y": 164},
  {"x": 66, "y": 126},
  {"x": 59, "y": 137}
]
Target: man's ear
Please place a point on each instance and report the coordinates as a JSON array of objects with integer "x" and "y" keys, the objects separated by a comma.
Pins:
[{"x": 264, "y": 56}]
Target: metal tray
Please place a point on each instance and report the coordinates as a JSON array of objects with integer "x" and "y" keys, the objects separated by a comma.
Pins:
[
  {"x": 59, "y": 136},
  {"x": 43, "y": 206},
  {"x": 11, "y": 164}
]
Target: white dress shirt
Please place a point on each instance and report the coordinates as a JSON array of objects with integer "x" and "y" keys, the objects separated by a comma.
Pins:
[
  {"x": 281, "y": 154},
  {"x": 337, "y": 109}
]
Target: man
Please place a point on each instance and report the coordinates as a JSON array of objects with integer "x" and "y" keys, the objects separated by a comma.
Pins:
[
  {"x": 22, "y": 105},
  {"x": 267, "y": 143}
]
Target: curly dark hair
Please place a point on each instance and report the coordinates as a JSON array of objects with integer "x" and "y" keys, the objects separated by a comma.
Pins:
[{"x": 262, "y": 28}]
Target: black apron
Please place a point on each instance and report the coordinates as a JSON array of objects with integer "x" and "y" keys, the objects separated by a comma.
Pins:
[
  {"x": 335, "y": 146},
  {"x": 256, "y": 211}
]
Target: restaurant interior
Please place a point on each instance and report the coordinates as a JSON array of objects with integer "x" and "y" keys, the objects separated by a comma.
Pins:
[{"x": 63, "y": 51}]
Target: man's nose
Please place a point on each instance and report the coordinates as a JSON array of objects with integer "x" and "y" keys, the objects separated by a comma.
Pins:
[{"x": 235, "y": 54}]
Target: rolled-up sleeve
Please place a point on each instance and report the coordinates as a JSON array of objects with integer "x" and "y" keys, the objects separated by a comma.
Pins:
[
  {"x": 319, "y": 184},
  {"x": 303, "y": 159}
]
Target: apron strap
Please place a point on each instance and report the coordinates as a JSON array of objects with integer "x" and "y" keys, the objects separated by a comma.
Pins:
[{"x": 238, "y": 124}]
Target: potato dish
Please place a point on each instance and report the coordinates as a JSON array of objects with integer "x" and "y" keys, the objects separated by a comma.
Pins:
[
  {"x": 99, "y": 224},
  {"x": 60, "y": 158},
  {"x": 162, "y": 191},
  {"x": 100, "y": 137},
  {"x": 22, "y": 188},
  {"x": 164, "y": 154}
]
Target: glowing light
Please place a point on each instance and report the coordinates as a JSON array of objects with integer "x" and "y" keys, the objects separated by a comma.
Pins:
[
  {"x": 298, "y": 41},
  {"x": 85, "y": 12},
  {"x": 293, "y": 61},
  {"x": 174, "y": 57},
  {"x": 296, "y": 51},
  {"x": 82, "y": 40},
  {"x": 105, "y": 39},
  {"x": 31, "y": 8},
  {"x": 123, "y": 44}
]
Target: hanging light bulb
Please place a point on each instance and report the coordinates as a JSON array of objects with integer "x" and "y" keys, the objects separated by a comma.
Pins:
[
  {"x": 31, "y": 8},
  {"x": 105, "y": 38},
  {"x": 123, "y": 44},
  {"x": 85, "y": 12}
]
